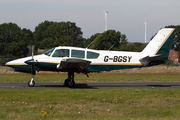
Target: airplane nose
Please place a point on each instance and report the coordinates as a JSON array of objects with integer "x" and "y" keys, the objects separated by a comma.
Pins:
[
  {"x": 6, "y": 64},
  {"x": 9, "y": 64}
]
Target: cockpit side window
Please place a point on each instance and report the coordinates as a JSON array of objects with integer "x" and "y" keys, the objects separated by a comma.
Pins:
[
  {"x": 92, "y": 55},
  {"x": 61, "y": 53},
  {"x": 77, "y": 53},
  {"x": 48, "y": 53}
]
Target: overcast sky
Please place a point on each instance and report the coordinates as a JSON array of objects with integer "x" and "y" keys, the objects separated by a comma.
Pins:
[{"x": 125, "y": 16}]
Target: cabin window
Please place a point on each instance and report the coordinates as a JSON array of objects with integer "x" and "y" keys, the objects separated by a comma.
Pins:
[
  {"x": 61, "y": 53},
  {"x": 92, "y": 55},
  {"x": 77, "y": 53},
  {"x": 48, "y": 53}
]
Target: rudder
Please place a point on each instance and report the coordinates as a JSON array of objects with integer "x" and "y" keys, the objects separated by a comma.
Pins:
[{"x": 160, "y": 44}]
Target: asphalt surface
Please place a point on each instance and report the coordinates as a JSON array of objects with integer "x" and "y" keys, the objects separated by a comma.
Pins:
[{"x": 94, "y": 85}]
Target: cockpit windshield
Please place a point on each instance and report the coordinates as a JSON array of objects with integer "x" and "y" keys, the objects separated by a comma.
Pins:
[{"x": 48, "y": 53}]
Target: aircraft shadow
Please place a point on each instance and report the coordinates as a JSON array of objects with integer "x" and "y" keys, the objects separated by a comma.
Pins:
[
  {"x": 162, "y": 85},
  {"x": 107, "y": 86},
  {"x": 77, "y": 86}
]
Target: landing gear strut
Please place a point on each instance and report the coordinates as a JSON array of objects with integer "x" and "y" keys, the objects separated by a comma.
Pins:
[{"x": 70, "y": 81}]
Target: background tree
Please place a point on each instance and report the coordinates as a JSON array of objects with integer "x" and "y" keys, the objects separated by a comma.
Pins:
[
  {"x": 39, "y": 33},
  {"x": 123, "y": 43},
  {"x": 74, "y": 33},
  {"x": 176, "y": 38},
  {"x": 105, "y": 40},
  {"x": 13, "y": 40},
  {"x": 29, "y": 36},
  {"x": 50, "y": 34},
  {"x": 135, "y": 47}
]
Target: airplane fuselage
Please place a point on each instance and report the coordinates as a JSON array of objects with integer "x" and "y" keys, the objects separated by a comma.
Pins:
[{"x": 101, "y": 60}]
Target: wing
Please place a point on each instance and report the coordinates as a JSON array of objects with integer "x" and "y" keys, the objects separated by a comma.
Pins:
[{"x": 74, "y": 64}]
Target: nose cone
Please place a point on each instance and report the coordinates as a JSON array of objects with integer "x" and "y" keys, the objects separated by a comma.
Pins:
[
  {"x": 15, "y": 63},
  {"x": 9, "y": 64}
]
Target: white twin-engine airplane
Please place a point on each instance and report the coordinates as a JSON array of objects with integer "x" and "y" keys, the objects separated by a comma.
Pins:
[{"x": 83, "y": 60}]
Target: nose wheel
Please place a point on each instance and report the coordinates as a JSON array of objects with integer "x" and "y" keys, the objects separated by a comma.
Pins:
[{"x": 31, "y": 83}]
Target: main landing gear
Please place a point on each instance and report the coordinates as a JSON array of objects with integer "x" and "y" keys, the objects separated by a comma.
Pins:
[{"x": 69, "y": 82}]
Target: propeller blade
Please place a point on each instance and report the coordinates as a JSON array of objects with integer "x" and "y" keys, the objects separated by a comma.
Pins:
[{"x": 33, "y": 51}]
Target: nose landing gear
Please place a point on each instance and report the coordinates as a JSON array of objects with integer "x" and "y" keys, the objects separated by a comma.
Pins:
[{"x": 31, "y": 83}]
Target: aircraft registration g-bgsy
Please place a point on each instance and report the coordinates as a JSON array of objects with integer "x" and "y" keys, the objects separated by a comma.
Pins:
[{"x": 83, "y": 60}]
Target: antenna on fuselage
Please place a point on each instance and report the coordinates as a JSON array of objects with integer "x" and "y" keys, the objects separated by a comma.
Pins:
[
  {"x": 89, "y": 44},
  {"x": 32, "y": 49},
  {"x": 111, "y": 47}
]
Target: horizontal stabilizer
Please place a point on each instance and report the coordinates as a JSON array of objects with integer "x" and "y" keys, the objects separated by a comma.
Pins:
[{"x": 151, "y": 58}]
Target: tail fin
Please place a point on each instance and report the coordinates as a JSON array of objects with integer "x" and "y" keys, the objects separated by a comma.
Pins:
[
  {"x": 160, "y": 44},
  {"x": 158, "y": 48}
]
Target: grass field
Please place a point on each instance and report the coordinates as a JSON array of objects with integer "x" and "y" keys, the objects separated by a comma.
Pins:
[
  {"x": 106, "y": 104},
  {"x": 95, "y": 77},
  {"x": 127, "y": 104}
]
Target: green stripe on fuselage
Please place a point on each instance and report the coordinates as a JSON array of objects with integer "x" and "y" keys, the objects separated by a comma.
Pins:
[
  {"x": 23, "y": 67},
  {"x": 47, "y": 66},
  {"x": 97, "y": 68}
]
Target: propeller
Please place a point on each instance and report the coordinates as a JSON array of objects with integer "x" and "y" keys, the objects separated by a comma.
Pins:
[
  {"x": 32, "y": 83},
  {"x": 32, "y": 66},
  {"x": 31, "y": 62}
]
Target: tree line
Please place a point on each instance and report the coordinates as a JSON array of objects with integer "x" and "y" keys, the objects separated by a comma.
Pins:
[{"x": 48, "y": 34}]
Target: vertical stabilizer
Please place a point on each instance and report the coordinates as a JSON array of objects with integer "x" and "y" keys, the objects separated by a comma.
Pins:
[{"x": 160, "y": 44}]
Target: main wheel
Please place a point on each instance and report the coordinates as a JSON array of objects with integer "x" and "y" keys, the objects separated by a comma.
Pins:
[
  {"x": 71, "y": 83},
  {"x": 31, "y": 84},
  {"x": 66, "y": 82}
]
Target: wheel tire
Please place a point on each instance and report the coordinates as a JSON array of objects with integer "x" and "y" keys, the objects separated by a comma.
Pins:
[
  {"x": 66, "y": 82},
  {"x": 71, "y": 83},
  {"x": 31, "y": 85}
]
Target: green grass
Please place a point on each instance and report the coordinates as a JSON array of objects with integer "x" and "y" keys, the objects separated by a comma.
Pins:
[
  {"x": 101, "y": 77},
  {"x": 124, "y": 104},
  {"x": 127, "y": 104}
]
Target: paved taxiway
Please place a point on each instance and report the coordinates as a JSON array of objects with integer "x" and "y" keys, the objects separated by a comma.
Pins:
[{"x": 94, "y": 85}]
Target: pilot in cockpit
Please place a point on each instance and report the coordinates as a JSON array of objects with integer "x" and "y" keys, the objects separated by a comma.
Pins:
[
  {"x": 59, "y": 53},
  {"x": 62, "y": 53}
]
